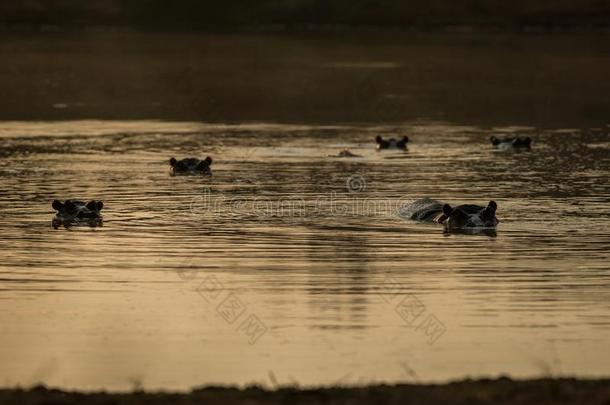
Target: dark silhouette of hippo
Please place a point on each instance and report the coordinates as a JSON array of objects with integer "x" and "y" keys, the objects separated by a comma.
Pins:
[
  {"x": 345, "y": 153},
  {"x": 191, "y": 166},
  {"x": 392, "y": 143},
  {"x": 74, "y": 212},
  {"x": 466, "y": 218},
  {"x": 511, "y": 142}
]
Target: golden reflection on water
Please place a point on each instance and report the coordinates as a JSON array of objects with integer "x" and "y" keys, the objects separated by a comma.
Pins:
[{"x": 273, "y": 266}]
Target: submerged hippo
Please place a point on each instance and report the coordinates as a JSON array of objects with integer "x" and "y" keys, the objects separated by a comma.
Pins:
[
  {"x": 468, "y": 218},
  {"x": 511, "y": 142},
  {"x": 392, "y": 143},
  {"x": 345, "y": 153},
  {"x": 191, "y": 165},
  {"x": 74, "y": 212}
]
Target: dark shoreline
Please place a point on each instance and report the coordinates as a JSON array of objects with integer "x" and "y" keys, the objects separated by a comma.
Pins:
[
  {"x": 486, "y": 391},
  {"x": 208, "y": 15},
  {"x": 292, "y": 29}
]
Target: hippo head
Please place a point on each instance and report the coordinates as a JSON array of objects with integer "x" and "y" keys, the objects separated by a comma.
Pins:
[
  {"x": 511, "y": 142},
  {"x": 522, "y": 142},
  {"x": 391, "y": 143},
  {"x": 191, "y": 165},
  {"x": 495, "y": 141},
  {"x": 469, "y": 216},
  {"x": 73, "y": 209}
]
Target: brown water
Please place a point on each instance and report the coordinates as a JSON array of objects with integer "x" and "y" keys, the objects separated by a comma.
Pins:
[
  {"x": 554, "y": 81},
  {"x": 288, "y": 266},
  {"x": 322, "y": 266}
]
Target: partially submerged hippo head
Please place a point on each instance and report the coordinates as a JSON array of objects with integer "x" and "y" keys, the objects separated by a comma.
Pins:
[
  {"x": 511, "y": 142},
  {"x": 392, "y": 143},
  {"x": 191, "y": 165},
  {"x": 469, "y": 217},
  {"x": 346, "y": 153},
  {"x": 73, "y": 212}
]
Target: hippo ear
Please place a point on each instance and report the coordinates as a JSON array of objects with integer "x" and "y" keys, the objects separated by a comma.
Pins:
[
  {"x": 91, "y": 205},
  {"x": 100, "y": 205},
  {"x": 493, "y": 140},
  {"x": 405, "y": 139},
  {"x": 379, "y": 139},
  {"x": 447, "y": 210},
  {"x": 527, "y": 140},
  {"x": 57, "y": 205},
  {"x": 490, "y": 211},
  {"x": 204, "y": 164},
  {"x": 172, "y": 162}
]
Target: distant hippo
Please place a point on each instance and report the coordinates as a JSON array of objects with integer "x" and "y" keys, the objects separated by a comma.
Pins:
[
  {"x": 391, "y": 143},
  {"x": 345, "y": 153},
  {"x": 511, "y": 142},
  {"x": 191, "y": 166},
  {"x": 467, "y": 218},
  {"x": 73, "y": 212}
]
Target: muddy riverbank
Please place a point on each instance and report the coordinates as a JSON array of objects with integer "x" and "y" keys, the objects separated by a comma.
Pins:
[{"x": 498, "y": 391}]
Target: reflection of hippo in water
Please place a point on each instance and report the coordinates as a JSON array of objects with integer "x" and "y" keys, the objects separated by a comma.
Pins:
[
  {"x": 191, "y": 165},
  {"x": 391, "y": 143},
  {"x": 73, "y": 212},
  {"x": 511, "y": 142},
  {"x": 467, "y": 218}
]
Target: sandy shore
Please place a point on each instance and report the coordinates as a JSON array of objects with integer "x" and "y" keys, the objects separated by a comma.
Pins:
[{"x": 499, "y": 391}]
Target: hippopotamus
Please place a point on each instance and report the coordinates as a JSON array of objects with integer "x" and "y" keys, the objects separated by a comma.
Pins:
[
  {"x": 511, "y": 142},
  {"x": 74, "y": 212},
  {"x": 345, "y": 153},
  {"x": 466, "y": 218},
  {"x": 391, "y": 143},
  {"x": 191, "y": 166}
]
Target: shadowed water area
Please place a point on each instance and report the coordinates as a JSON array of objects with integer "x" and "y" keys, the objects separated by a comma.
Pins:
[{"x": 289, "y": 265}]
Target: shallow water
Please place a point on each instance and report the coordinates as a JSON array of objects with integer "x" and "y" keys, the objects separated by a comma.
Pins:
[{"x": 329, "y": 285}]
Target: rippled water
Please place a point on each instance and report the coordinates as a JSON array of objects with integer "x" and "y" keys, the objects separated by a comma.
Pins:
[{"x": 290, "y": 266}]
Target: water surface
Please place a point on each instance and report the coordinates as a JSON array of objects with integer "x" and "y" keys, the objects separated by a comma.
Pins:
[{"x": 329, "y": 285}]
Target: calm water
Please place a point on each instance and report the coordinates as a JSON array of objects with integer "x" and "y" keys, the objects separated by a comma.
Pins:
[{"x": 289, "y": 266}]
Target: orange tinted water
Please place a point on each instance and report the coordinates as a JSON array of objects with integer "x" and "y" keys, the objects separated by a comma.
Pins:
[{"x": 289, "y": 266}]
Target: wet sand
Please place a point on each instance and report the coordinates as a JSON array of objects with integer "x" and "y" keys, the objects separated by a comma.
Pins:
[{"x": 499, "y": 391}]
